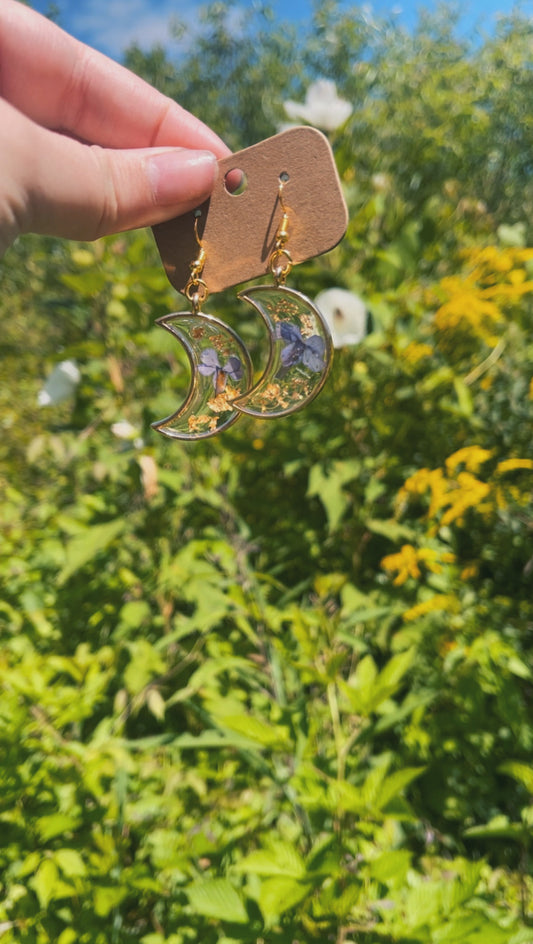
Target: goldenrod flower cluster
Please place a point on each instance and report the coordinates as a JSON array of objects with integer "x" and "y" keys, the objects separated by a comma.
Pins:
[
  {"x": 478, "y": 301},
  {"x": 451, "y": 492},
  {"x": 406, "y": 563}
]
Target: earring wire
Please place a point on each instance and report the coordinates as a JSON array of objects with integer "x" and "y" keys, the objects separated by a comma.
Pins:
[
  {"x": 196, "y": 290},
  {"x": 280, "y": 262}
]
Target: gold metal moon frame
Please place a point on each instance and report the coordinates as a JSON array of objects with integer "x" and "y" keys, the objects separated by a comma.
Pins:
[
  {"x": 222, "y": 388},
  {"x": 301, "y": 352},
  {"x": 221, "y": 369}
]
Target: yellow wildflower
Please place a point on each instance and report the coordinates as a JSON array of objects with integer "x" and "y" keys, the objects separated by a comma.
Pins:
[
  {"x": 509, "y": 492},
  {"x": 467, "y": 310},
  {"x": 455, "y": 493},
  {"x": 419, "y": 483},
  {"x": 456, "y": 489},
  {"x": 517, "y": 277},
  {"x": 509, "y": 465},
  {"x": 492, "y": 259},
  {"x": 519, "y": 496},
  {"x": 524, "y": 255},
  {"x": 416, "y": 351},
  {"x": 477, "y": 301},
  {"x": 434, "y": 559},
  {"x": 472, "y": 457},
  {"x": 471, "y": 571},
  {"x": 500, "y": 498},
  {"x": 469, "y": 492},
  {"x": 488, "y": 254},
  {"x": 438, "y": 603},
  {"x": 406, "y": 562}
]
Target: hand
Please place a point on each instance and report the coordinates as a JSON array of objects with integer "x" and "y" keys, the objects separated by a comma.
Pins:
[{"x": 87, "y": 148}]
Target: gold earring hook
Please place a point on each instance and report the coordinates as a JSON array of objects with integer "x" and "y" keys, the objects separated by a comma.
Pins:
[
  {"x": 280, "y": 259},
  {"x": 280, "y": 195},
  {"x": 283, "y": 231},
  {"x": 196, "y": 290},
  {"x": 197, "y": 216}
]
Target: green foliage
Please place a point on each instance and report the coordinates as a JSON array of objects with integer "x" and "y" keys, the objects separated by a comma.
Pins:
[{"x": 276, "y": 686}]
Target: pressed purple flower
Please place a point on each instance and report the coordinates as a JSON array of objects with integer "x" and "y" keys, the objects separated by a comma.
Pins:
[
  {"x": 210, "y": 365},
  {"x": 233, "y": 368},
  {"x": 307, "y": 351},
  {"x": 209, "y": 362}
]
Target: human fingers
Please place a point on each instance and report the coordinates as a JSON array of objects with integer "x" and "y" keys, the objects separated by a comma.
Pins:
[
  {"x": 62, "y": 84},
  {"x": 54, "y": 185}
]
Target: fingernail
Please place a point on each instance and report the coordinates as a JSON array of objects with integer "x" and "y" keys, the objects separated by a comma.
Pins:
[{"x": 181, "y": 175}]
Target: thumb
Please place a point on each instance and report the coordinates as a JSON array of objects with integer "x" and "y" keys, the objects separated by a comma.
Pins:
[{"x": 54, "y": 185}]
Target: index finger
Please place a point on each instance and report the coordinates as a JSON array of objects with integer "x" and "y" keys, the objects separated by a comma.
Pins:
[{"x": 64, "y": 85}]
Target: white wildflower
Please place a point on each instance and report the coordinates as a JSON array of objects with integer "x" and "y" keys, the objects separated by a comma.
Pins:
[
  {"x": 346, "y": 315},
  {"x": 322, "y": 107},
  {"x": 60, "y": 384}
]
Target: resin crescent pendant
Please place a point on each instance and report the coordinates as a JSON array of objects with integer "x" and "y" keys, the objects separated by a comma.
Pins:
[
  {"x": 301, "y": 352},
  {"x": 221, "y": 370}
]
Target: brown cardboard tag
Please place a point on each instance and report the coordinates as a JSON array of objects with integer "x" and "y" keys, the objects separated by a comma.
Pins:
[{"x": 238, "y": 229}]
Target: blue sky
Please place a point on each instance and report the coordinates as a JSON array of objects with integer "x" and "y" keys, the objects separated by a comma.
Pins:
[{"x": 111, "y": 25}]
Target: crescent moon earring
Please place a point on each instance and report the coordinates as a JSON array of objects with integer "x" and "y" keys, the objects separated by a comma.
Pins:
[
  {"x": 221, "y": 368},
  {"x": 301, "y": 349}
]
